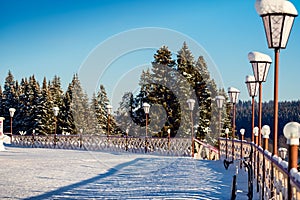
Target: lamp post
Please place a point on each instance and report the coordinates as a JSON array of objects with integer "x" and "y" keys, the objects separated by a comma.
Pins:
[
  {"x": 169, "y": 139},
  {"x": 233, "y": 95},
  {"x": 108, "y": 110},
  {"x": 80, "y": 137},
  {"x": 226, "y": 132},
  {"x": 146, "y": 107},
  {"x": 252, "y": 87},
  {"x": 11, "y": 113},
  {"x": 278, "y": 19},
  {"x": 55, "y": 112},
  {"x": 127, "y": 131},
  {"x": 260, "y": 64},
  {"x": 191, "y": 104},
  {"x": 292, "y": 133},
  {"x": 242, "y": 131},
  {"x": 282, "y": 152},
  {"x": 255, "y": 131},
  {"x": 265, "y": 131},
  {"x": 220, "y": 101}
]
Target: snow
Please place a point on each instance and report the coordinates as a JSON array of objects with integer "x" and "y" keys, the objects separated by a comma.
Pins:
[
  {"x": 232, "y": 89},
  {"x": 258, "y": 57},
  {"x": 275, "y": 6},
  {"x": 31, "y": 173}
]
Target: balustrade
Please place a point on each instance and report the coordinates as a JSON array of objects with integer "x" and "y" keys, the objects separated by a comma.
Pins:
[{"x": 272, "y": 174}]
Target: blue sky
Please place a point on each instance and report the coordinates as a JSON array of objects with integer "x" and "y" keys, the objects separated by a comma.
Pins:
[{"x": 52, "y": 37}]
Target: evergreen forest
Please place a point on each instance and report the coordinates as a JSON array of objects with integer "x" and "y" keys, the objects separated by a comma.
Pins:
[{"x": 166, "y": 86}]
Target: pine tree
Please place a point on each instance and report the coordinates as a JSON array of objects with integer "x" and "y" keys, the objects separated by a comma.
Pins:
[
  {"x": 101, "y": 112},
  {"x": 9, "y": 100},
  {"x": 46, "y": 120},
  {"x": 79, "y": 106},
  {"x": 185, "y": 84}
]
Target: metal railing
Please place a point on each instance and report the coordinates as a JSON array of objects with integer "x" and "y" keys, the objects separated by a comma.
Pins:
[
  {"x": 270, "y": 172},
  {"x": 159, "y": 146}
]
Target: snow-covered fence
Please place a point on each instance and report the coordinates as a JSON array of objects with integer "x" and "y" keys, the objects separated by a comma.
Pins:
[
  {"x": 270, "y": 172},
  {"x": 205, "y": 151},
  {"x": 157, "y": 146}
]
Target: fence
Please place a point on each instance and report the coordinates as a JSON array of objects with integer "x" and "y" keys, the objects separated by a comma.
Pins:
[
  {"x": 157, "y": 146},
  {"x": 271, "y": 172}
]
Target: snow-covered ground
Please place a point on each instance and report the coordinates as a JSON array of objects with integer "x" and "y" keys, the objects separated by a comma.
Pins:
[{"x": 28, "y": 173}]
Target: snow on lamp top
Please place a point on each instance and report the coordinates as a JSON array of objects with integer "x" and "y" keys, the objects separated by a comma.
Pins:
[
  {"x": 252, "y": 85},
  {"x": 275, "y": 6},
  {"x": 255, "y": 56}
]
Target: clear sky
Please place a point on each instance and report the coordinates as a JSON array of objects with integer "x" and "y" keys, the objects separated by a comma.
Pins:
[{"x": 57, "y": 37}]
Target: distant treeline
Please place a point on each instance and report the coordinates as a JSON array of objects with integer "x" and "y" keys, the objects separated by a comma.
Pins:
[{"x": 288, "y": 111}]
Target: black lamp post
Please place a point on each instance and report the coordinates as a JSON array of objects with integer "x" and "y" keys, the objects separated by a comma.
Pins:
[{"x": 278, "y": 19}]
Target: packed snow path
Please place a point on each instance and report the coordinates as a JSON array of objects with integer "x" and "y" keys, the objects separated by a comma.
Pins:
[{"x": 69, "y": 174}]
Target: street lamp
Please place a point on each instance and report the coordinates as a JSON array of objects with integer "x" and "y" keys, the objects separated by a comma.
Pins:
[
  {"x": 252, "y": 87},
  {"x": 11, "y": 113},
  {"x": 265, "y": 131},
  {"x": 260, "y": 64},
  {"x": 226, "y": 133},
  {"x": 278, "y": 18},
  {"x": 292, "y": 133},
  {"x": 242, "y": 131},
  {"x": 282, "y": 152},
  {"x": 169, "y": 138},
  {"x": 80, "y": 137},
  {"x": 55, "y": 112},
  {"x": 127, "y": 131},
  {"x": 220, "y": 101},
  {"x": 233, "y": 95},
  {"x": 108, "y": 109},
  {"x": 256, "y": 131},
  {"x": 191, "y": 104},
  {"x": 146, "y": 107}
]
